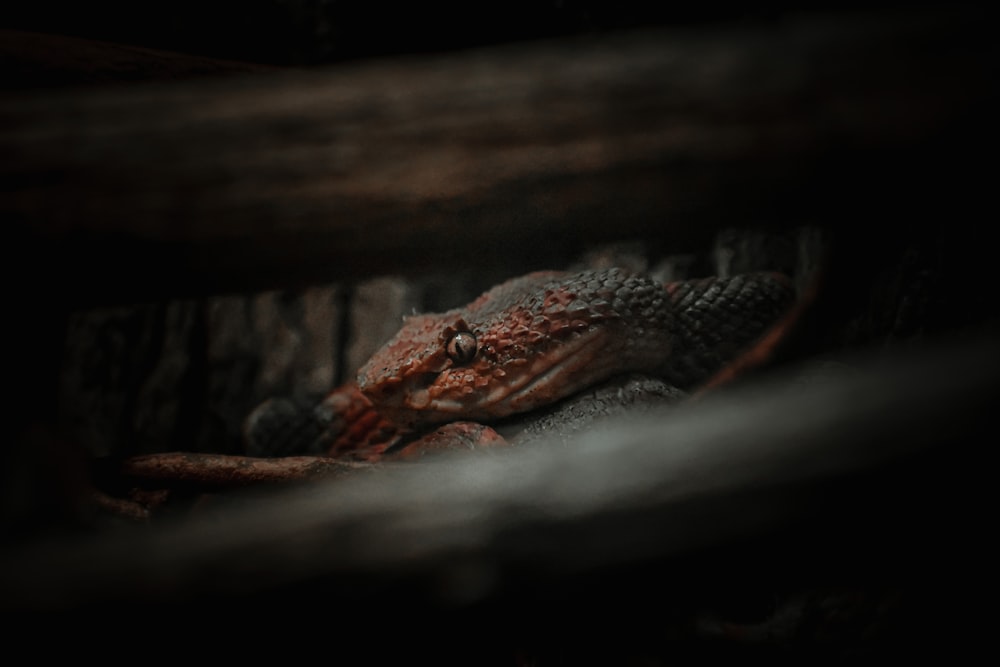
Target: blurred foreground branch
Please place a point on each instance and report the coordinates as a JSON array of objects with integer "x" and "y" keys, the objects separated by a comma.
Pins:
[{"x": 879, "y": 461}]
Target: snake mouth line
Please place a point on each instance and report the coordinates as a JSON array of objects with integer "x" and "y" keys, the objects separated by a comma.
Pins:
[{"x": 551, "y": 376}]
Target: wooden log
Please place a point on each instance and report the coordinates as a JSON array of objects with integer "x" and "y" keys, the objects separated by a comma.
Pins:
[
  {"x": 501, "y": 159},
  {"x": 881, "y": 470}
]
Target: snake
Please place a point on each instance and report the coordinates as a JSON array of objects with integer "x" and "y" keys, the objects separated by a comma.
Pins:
[{"x": 528, "y": 343}]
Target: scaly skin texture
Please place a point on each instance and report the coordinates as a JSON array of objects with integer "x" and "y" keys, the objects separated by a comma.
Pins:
[
  {"x": 523, "y": 345},
  {"x": 528, "y": 342},
  {"x": 539, "y": 338}
]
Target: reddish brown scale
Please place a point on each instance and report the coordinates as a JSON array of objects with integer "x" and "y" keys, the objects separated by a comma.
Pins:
[
  {"x": 365, "y": 432},
  {"x": 525, "y": 343},
  {"x": 547, "y": 335},
  {"x": 542, "y": 337}
]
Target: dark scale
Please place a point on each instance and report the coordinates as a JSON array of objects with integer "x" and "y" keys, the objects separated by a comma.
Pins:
[{"x": 712, "y": 322}]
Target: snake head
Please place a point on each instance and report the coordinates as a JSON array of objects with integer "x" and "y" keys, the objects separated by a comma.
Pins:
[
  {"x": 523, "y": 344},
  {"x": 419, "y": 376}
]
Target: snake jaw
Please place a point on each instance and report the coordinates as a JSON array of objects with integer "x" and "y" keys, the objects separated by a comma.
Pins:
[
  {"x": 487, "y": 392},
  {"x": 570, "y": 368}
]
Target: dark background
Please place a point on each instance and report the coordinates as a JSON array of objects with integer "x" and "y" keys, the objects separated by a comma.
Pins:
[{"x": 309, "y": 32}]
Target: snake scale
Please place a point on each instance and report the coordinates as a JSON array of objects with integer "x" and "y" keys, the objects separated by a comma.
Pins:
[{"x": 525, "y": 344}]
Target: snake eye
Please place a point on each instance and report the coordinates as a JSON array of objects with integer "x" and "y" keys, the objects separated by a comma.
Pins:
[{"x": 462, "y": 347}]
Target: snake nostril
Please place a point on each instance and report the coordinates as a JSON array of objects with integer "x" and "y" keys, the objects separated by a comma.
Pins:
[{"x": 427, "y": 379}]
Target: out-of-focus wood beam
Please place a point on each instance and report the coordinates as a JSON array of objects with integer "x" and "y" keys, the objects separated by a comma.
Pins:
[{"x": 510, "y": 158}]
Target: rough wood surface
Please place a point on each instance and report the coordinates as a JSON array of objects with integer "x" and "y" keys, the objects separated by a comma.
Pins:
[
  {"x": 873, "y": 460},
  {"x": 514, "y": 157}
]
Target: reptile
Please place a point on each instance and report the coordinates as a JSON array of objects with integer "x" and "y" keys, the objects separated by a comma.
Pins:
[
  {"x": 535, "y": 354},
  {"x": 528, "y": 343}
]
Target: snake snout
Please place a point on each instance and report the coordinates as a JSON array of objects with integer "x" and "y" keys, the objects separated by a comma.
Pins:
[{"x": 396, "y": 395}]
